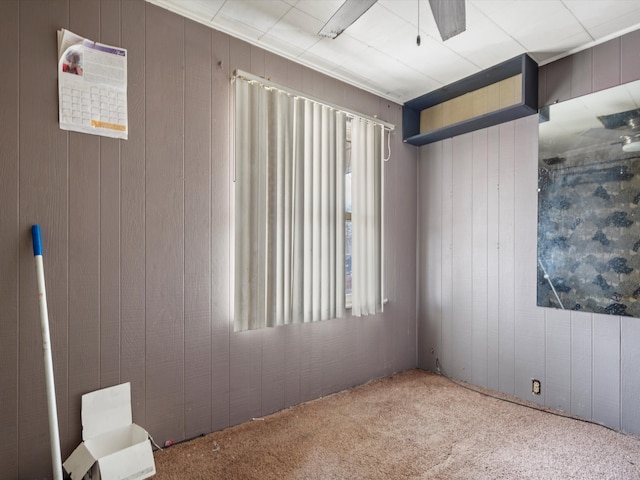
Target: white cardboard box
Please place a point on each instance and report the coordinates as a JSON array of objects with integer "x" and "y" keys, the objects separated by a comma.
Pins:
[{"x": 113, "y": 447}]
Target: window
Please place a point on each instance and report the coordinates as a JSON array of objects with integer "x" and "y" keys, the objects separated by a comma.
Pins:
[
  {"x": 308, "y": 216},
  {"x": 348, "y": 225}
]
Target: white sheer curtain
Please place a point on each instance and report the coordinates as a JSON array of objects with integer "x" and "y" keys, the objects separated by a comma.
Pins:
[
  {"x": 366, "y": 182},
  {"x": 289, "y": 209}
]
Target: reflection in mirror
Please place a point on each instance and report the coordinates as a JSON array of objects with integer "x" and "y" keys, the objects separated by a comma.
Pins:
[{"x": 588, "y": 202}]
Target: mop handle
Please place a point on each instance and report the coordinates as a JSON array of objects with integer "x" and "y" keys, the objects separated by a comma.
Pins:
[{"x": 56, "y": 458}]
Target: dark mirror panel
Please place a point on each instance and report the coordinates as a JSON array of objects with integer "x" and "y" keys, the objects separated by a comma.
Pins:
[{"x": 589, "y": 202}]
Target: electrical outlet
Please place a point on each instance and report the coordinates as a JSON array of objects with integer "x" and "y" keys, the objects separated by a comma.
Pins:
[{"x": 536, "y": 387}]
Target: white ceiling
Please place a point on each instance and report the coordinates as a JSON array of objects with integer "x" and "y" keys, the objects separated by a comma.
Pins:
[{"x": 379, "y": 53}]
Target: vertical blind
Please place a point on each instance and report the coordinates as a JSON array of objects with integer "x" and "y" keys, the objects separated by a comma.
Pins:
[
  {"x": 290, "y": 165},
  {"x": 366, "y": 175}
]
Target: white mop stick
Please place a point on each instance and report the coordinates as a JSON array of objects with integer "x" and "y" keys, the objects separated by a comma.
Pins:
[{"x": 56, "y": 458}]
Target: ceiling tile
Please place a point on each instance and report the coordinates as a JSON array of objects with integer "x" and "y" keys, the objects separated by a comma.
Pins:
[
  {"x": 378, "y": 27},
  {"x": 603, "y": 17},
  {"x": 199, "y": 10},
  {"x": 257, "y": 14},
  {"x": 322, "y": 10},
  {"x": 484, "y": 43},
  {"x": 238, "y": 30},
  {"x": 538, "y": 25},
  {"x": 298, "y": 28},
  {"x": 338, "y": 51}
]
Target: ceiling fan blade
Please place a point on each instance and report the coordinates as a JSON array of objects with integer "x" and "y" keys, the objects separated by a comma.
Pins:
[
  {"x": 349, "y": 12},
  {"x": 450, "y": 17},
  {"x": 620, "y": 119}
]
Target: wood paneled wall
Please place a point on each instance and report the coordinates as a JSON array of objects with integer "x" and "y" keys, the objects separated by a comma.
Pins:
[
  {"x": 136, "y": 239},
  {"x": 607, "y": 65},
  {"x": 477, "y": 229}
]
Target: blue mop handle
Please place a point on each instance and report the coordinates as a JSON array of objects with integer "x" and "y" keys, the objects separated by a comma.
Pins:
[
  {"x": 37, "y": 240},
  {"x": 54, "y": 433}
]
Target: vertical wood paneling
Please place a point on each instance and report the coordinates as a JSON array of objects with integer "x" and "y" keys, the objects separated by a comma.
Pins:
[
  {"x": 352, "y": 367},
  {"x": 9, "y": 239},
  {"x": 506, "y": 258},
  {"x": 43, "y": 187},
  {"x": 164, "y": 224},
  {"x": 529, "y": 331},
  {"x": 585, "y": 361},
  {"x": 84, "y": 273},
  {"x": 630, "y": 57},
  {"x": 493, "y": 272},
  {"x": 370, "y": 357},
  {"x": 606, "y": 65},
  {"x": 311, "y": 379},
  {"x": 430, "y": 256},
  {"x": 629, "y": 378},
  {"x": 403, "y": 277},
  {"x": 581, "y": 363},
  {"x": 84, "y": 247},
  {"x": 581, "y": 73},
  {"x": 132, "y": 229},
  {"x": 332, "y": 356},
  {"x": 462, "y": 247},
  {"x": 220, "y": 230},
  {"x": 448, "y": 296},
  {"x": 110, "y": 207},
  {"x": 197, "y": 229},
  {"x": 425, "y": 335},
  {"x": 606, "y": 370},
  {"x": 542, "y": 86},
  {"x": 292, "y": 365},
  {"x": 558, "y": 361},
  {"x": 355, "y": 357},
  {"x": 245, "y": 393},
  {"x": 312, "y": 355},
  {"x": 406, "y": 269},
  {"x": 245, "y": 370},
  {"x": 558, "y": 84},
  {"x": 479, "y": 259},
  {"x": 273, "y": 357}
]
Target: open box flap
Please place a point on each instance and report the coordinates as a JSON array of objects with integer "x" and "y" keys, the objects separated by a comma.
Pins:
[
  {"x": 105, "y": 410},
  {"x": 79, "y": 462}
]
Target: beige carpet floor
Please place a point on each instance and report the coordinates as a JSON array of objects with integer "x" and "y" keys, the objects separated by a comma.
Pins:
[{"x": 414, "y": 425}]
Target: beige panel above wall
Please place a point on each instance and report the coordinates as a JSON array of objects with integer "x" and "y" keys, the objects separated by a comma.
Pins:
[
  {"x": 502, "y": 94},
  {"x": 510, "y": 91}
]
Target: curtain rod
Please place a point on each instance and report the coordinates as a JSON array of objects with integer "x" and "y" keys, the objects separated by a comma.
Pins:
[{"x": 268, "y": 83}]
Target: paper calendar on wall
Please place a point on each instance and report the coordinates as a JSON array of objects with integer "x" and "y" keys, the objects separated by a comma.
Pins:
[{"x": 92, "y": 86}]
